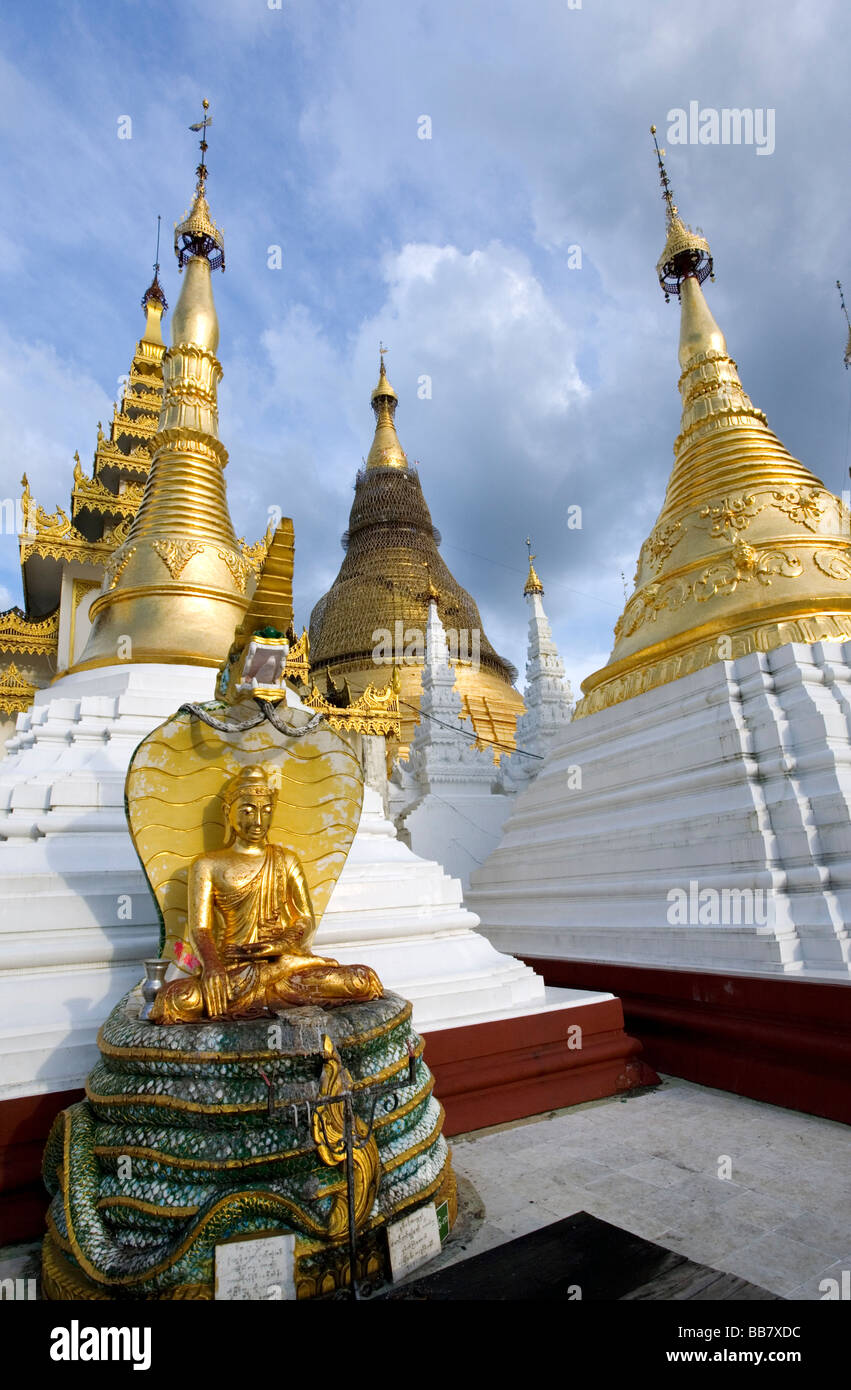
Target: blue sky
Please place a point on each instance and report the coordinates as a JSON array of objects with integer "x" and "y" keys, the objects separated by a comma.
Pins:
[{"x": 551, "y": 386}]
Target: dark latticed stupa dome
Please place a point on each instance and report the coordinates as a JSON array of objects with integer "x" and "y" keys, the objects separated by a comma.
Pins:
[{"x": 392, "y": 562}]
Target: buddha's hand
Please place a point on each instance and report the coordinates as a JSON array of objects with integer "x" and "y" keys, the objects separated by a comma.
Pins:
[
  {"x": 297, "y": 931},
  {"x": 214, "y": 991},
  {"x": 254, "y": 950}
]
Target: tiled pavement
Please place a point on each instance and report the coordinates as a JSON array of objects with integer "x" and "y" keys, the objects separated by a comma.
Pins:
[{"x": 650, "y": 1163}]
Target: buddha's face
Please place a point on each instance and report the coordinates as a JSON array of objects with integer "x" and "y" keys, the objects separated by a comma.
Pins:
[{"x": 250, "y": 815}]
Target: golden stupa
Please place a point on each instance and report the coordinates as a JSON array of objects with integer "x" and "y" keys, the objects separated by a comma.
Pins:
[
  {"x": 750, "y": 550},
  {"x": 392, "y": 564},
  {"x": 176, "y": 589}
]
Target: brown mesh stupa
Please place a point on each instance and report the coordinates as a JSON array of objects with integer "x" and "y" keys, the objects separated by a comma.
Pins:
[{"x": 375, "y": 613}]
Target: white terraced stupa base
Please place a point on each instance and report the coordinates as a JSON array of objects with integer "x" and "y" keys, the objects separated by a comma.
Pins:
[{"x": 710, "y": 828}]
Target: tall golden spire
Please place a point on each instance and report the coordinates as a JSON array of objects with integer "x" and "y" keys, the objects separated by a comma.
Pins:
[
  {"x": 154, "y": 302},
  {"x": 386, "y": 451},
  {"x": 175, "y": 590},
  {"x": 750, "y": 550}
]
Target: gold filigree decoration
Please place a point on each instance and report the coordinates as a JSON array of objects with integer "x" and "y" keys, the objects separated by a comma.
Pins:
[
  {"x": 116, "y": 566},
  {"x": 256, "y": 553},
  {"x": 804, "y": 506},
  {"x": 375, "y": 712},
  {"x": 117, "y": 535},
  {"x": 18, "y": 634},
  {"x": 176, "y": 555},
  {"x": 52, "y": 526},
  {"x": 649, "y": 602},
  {"x": 92, "y": 494},
  {"x": 298, "y": 659},
  {"x": 239, "y": 567},
  {"x": 836, "y": 564},
  {"x": 659, "y": 545},
  {"x": 766, "y": 638},
  {"x": 746, "y": 563},
  {"x": 731, "y": 516},
  {"x": 16, "y": 692}
]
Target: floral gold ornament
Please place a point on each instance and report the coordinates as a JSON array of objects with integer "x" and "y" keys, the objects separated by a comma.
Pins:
[
  {"x": 730, "y": 516},
  {"x": 176, "y": 555},
  {"x": 803, "y": 506},
  {"x": 746, "y": 563}
]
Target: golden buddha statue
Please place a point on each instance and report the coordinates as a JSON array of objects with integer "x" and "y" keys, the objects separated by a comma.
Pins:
[{"x": 250, "y": 920}]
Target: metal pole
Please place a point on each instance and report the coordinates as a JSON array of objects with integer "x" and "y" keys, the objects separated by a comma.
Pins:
[{"x": 348, "y": 1130}]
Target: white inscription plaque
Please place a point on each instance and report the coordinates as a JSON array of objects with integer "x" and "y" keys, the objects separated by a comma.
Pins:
[
  {"x": 256, "y": 1269},
  {"x": 413, "y": 1240}
]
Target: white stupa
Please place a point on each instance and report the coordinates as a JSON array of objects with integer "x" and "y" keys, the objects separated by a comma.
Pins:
[
  {"x": 547, "y": 695},
  {"x": 709, "y": 826}
]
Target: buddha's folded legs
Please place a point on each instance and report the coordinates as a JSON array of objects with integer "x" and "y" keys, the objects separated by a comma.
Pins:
[
  {"x": 325, "y": 985},
  {"x": 180, "y": 1001}
]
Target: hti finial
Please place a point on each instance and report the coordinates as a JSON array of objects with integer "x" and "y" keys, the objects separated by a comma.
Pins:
[
  {"x": 384, "y": 391},
  {"x": 848, "y": 321},
  {"x": 533, "y": 584},
  {"x": 198, "y": 235},
  {"x": 686, "y": 254}
]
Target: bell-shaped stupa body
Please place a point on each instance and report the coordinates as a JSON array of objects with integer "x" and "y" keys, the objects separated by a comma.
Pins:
[
  {"x": 750, "y": 550},
  {"x": 375, "y": 614},
  {"x": 176, "y": 589}
]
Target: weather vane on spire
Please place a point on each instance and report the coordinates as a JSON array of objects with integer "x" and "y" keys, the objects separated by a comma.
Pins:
[
  {"x": 381, "y": 351},
  {"x": 529, "y": 548},
  {"x": 686, "y": 254},
  {"x": 202, "y": 126},
  {"x": 663, "y": 176}
]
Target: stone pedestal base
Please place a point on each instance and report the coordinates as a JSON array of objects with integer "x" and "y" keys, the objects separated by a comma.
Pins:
[{"x": 194, "y": 1135}]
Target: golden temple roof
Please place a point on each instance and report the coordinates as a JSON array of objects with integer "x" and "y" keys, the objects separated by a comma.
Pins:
[
  {"x": 391, "y": 571},
  {"x": 750, "y": 550}
]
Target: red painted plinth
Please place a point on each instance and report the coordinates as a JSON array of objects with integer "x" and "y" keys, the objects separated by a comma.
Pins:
[
  {"x": 24, "y": 1127},
  {"x": 489, "y": 1073},
  {"x": 776, "y": 1039}
]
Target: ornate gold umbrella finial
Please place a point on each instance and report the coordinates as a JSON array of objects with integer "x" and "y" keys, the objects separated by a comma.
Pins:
[
  {"x": 533, "y": 584},
  {"x": 197, "y": 234},
  {"x": 686, "y": 252},
  {"x": 386, "y": 451}
]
